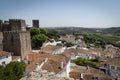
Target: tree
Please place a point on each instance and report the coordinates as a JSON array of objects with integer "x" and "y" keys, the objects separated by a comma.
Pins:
[
  {"x": 39, "y": 39},
  {"x": 34, "y": 31},
  {"x": 53, "y": 34},
  {"x": 12, "y": 71},
  {"x": 40, "y": 35},
  {"x": 43, "y": 31}
]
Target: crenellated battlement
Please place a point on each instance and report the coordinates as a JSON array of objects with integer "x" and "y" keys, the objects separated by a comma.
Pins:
[
  {"x": 15, "y": 37},
  {"x": 18, "y": 42},
  {"x": 13, "y": 25}
]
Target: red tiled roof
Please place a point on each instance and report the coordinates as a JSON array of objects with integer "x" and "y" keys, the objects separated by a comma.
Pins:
[
  {"x": 50, "y": 48},
  {"x": 114, "y": 61},
  {"x": 15, "y": 57},
  {"x": 3, "y": 53},
  {"x": 109, "y": 54},
  {"x": 88, "y": 74},
  {"x": 53, "y": 63},
  {"x": 70, "y": 52}
]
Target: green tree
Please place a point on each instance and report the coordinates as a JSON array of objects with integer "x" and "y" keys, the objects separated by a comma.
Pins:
[
  {"x": 43, "y": 31},
  {"x": 39, "y": 39},
  {"x": 84, "y": 61},
  {"x": 34, "y": 31},
  {"x": 40, "y": 35},
  {"x": 12, "y": 71},
  {"x": 53, "y": 34}
]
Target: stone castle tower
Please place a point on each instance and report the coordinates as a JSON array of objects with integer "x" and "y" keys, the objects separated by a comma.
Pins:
[
  {"x": 17, "y": 39},
  {"x": 12, "y": 25},
  {"x": 17, "y": 42},
  {"x": 36, "y": 23},
  {"x": 17, "y": 24}
]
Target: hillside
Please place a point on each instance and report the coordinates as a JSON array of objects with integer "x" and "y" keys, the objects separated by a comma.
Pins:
[
  {"x": 110, "y": 35},
  {"x": 112, "y": 30}
]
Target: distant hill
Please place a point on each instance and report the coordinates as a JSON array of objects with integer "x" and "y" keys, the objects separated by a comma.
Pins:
[{"x": 112, "y": 30}]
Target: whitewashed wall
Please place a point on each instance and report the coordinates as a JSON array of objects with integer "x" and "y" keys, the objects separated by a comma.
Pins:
[{"x": 6, "y": 58}]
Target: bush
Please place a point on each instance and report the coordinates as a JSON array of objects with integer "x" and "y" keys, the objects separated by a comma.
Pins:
[
  {"x": 12, "y": 71},
  {"x": 83, "y": 61},
  {"x": 39, "y": 39}
]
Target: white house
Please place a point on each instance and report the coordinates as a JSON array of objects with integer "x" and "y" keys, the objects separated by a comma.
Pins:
[
  {"x": 59, "y": 50},
  {"x": 54, "y": 43},
  {"x": 65, "y": 70},
  {"x": 5, "y": 57}
]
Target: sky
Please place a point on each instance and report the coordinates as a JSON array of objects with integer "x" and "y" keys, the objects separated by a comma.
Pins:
[{"x": 61, "y": 13}]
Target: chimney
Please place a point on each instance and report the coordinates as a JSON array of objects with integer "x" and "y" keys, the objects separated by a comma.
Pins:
[
  {"x": 62, "y": 64},
  {"x": 81, "y": 76},
  {"x": 46, "y": 59}
]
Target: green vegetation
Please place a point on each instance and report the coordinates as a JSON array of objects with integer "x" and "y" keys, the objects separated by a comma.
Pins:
[
  {"x": 68, "y": 44},
  {"x": 100, "y": 38},
  {"x": 87, "y": 62},
  {"x": 94, "y": 39},
  {"x": 41, "y": 35},
  {"x": 12, "y": 71},
  {"x": 61, "y": 54},
  {"x": 112, "y": 40},
  {"x": 117, "y": 33},
  {"x": 70, "y": 30},
  {"x": 39, "y": 39}
]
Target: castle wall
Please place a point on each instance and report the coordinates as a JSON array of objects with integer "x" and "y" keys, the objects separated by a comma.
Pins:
[
  {"x": 5, "y": 27},
  {"x": 17, "y": 24},
  {"x": 18, "y": 42},
  {"x": 15, "y": 37},
  {"x": 11, "y": 42},
  {"x": 25, "y": 41}
]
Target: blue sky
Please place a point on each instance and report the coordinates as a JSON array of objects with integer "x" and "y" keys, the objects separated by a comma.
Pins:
[{"x": 57, "y": 13}]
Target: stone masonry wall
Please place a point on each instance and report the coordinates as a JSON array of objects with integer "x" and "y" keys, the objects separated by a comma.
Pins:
[
  {"x": 11, "y": 42},
  {"x": 17, "y": 24},
  {"x": 25, "y": 42},
  {"x": 17, "y": 41}
]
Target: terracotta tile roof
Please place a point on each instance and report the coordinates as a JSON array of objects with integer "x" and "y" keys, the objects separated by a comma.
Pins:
[
  {"x": 53, "y": 63},
  {"x": 100, "y": 77},
  {"x": 97, "y": 50},
  {"x": 15, "y": 57},
  {"x": 83, "y": 51},
  {"x": 33, "y": 58},
  {"x": 52, "y": 66},
  {"x": 88, "y": 74},
  {"x": 114, "y": 61},
  {"x": 108, "y": 54},
  {"x": 70, "y": 52},
  {"x": 49, "y": 48},
  {"x": 3, "y": 53}
]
